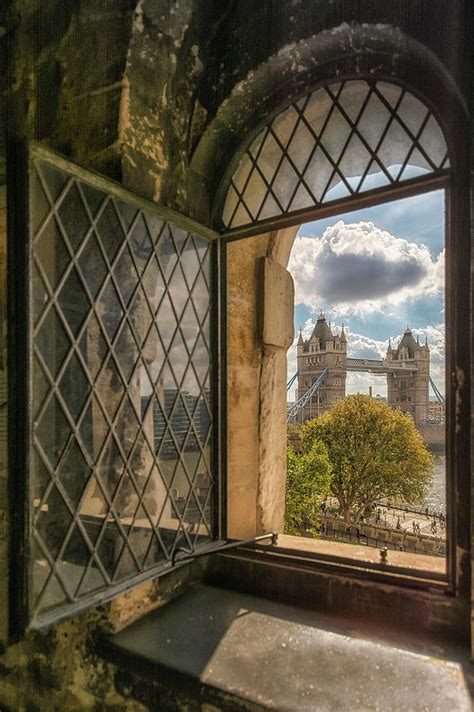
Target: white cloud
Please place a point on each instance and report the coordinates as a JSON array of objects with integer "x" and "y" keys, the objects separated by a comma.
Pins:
[{"x": 359, "y": 268}]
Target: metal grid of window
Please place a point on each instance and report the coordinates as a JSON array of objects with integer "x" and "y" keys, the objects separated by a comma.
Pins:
[
  {"x": 343, "y": 139},
  {"x": 120, "y": 444}
]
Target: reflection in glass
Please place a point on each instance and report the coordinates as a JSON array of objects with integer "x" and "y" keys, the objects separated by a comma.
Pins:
[{"x": 121, "y": 444}]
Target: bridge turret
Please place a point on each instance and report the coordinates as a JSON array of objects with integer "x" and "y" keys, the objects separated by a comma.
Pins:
[
  {"x": 343, "y": 336},
  {"x": 322, "y": 352},
  {"x": 408, "y": 388}
]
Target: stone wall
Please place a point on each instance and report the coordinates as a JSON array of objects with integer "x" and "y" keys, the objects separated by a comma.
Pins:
[
  {"x": 66, "y": 86},
  {"x": 4, "y": 511},
  {"x": 133, "y": 87},
  {"x": 159, "y": 94},
  {"x": 256, "y": 383},
  {"x": 61, "y": 669}
]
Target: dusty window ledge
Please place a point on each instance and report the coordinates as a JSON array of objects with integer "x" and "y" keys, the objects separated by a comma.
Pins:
[
  {"x": 363, "y": 554},
  {"x": 315, "y": 555},
  {"x": 240, "y": 652}
]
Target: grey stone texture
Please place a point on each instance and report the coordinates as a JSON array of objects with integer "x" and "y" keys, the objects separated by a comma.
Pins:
[
  {"x": 281, "y": 658},
  {"x": 161, "y": 96}
]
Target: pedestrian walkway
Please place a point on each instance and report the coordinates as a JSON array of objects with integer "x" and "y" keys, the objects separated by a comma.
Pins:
[
  {"x": 411, "y": 522},
  {"x": 389, "y": 527}
]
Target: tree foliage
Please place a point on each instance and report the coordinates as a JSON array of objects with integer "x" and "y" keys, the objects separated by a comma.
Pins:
[
  {"x": 307, "y": 485},
  {"x": 375, "y": 452}
]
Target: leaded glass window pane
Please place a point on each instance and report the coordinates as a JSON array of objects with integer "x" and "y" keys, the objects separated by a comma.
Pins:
[
  {"x": 341, "y": 140},
  {"x": 120, "y": 450}
]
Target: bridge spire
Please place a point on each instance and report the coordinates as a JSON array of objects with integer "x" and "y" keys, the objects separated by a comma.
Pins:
[{"x": 300, "y": 337}]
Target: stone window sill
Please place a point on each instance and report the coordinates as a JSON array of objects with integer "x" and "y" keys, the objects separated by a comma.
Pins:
[
  {"x": 236, "y": 651},
  {"x": 433, "y": 568}
]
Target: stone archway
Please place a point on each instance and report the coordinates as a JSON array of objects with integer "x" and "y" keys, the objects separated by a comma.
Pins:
[
  {"x": 347, "y": 52},
  {"x": 256, "y": 379}
]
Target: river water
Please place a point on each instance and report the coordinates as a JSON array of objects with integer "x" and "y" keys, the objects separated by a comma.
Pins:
[{"x": 436, "y": 499}]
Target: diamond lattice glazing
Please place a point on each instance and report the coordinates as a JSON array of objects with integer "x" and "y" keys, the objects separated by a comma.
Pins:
[
  {"x": 121, "y": 440},
  {"x": 338, "y": 141}
]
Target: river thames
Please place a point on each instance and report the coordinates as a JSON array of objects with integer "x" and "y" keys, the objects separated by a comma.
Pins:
[{"x": 436, "y": 499}]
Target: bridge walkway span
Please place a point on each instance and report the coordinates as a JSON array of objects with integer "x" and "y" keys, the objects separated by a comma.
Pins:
[{"x": 369, "y": 365}]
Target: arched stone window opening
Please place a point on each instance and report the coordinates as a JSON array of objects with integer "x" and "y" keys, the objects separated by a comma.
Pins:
[{"x": 340, "y": 146}]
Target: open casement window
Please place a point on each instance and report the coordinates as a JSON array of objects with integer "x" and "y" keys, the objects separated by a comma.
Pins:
[
  {"x": 113, "y": 432},
  {"x": 341, "y": 147}
]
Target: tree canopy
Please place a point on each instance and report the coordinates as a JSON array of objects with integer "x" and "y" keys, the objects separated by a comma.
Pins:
[
  {"x": 375, "y": 452},
  {"x": 307, "y": 486}
]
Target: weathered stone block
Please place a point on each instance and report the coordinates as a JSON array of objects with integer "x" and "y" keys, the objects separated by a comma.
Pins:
[
  {"x": 243, "y": 384},
  {"x": 242, "y": 514},
  {"x": 278, "y": 301}
]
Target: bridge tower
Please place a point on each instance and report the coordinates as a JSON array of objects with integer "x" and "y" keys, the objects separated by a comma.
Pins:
[
  {"x": 322, "y": 350},
  {"x": 409, "y": 389}
]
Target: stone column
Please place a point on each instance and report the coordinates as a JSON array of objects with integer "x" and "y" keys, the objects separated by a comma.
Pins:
[{"x": 260, "y": 330}]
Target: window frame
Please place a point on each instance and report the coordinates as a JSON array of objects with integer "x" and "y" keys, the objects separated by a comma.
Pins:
[
  {"x": 453, "y": 181},
  {"x": 19, "y": 157},
  {"x": 334, "y": 207}
]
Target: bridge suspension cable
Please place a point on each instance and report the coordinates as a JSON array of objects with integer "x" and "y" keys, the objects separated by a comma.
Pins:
[
  {"x": 292, "y": 380},
  {"x": 295, "y": 408},
  {"x": 436, "y": 391}
]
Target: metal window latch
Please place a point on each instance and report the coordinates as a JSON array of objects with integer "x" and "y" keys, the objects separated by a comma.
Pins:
[
  {"x": 188, "y": 555},
  {"x": 384, "y": 555}
]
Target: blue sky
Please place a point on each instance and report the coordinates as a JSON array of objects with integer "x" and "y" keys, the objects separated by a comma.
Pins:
[{"x": 375, "y": 270}]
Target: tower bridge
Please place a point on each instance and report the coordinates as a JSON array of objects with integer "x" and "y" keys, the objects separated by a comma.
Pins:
[{"x": 322, "y": 366}]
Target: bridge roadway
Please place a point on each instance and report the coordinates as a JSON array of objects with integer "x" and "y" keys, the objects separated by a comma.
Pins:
[{"x": 369, "y": 365}]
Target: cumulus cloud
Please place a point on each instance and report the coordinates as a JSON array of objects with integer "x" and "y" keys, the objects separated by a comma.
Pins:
[{"x": 358, "y": 268}]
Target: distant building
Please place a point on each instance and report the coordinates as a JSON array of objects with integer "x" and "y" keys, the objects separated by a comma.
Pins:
[
  {"x": 436, "y": 412},
  {"x": 322, "y": 350},
  {"x": 408, "y": 388},
  {"x": 187, "y": 421},
  {"x": 407, "y": 368}
]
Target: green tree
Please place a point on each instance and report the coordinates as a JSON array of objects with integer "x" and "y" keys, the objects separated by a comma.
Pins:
[
  {"x": 307, "y": 485},
  {"x": 375, "y": 452}
]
